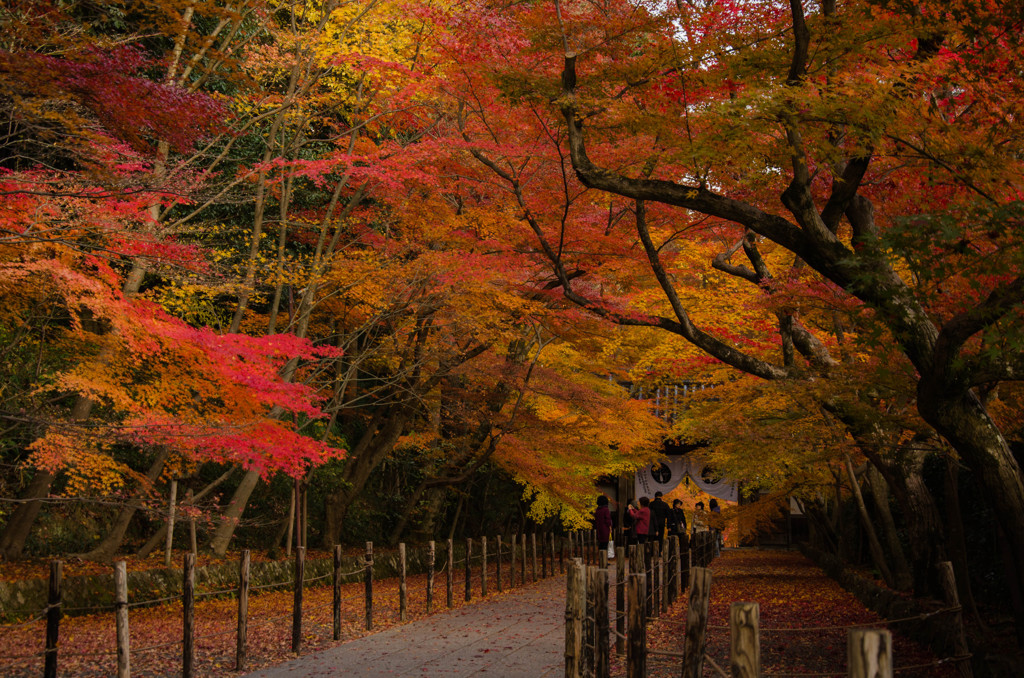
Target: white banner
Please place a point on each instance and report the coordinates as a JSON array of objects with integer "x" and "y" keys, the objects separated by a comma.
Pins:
[{"x": 666, "y": 475}]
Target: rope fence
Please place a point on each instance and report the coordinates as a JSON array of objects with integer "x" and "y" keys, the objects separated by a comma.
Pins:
[
  {"x": 501, "y": 572},
  {"x": 650, "y": 577}
]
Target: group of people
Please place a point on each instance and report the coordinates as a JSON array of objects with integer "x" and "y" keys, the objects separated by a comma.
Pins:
[{"x": 647, "y": 520}]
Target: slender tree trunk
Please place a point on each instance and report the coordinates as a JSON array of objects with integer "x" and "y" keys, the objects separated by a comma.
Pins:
[
  {"x": 12, "y": 542},
  {"x": 112, "y": 542},
  {"x": 902, "y": 576},
  {"x": 233, "y": 513},
  {"x": 877, "y": 555},
  {"x": 956, "y": 539}
]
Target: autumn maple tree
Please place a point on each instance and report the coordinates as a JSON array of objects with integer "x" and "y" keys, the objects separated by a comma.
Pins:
[{"x": 886, "y": 132}]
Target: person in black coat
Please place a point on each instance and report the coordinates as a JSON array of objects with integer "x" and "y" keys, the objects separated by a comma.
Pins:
[
  {"x": 659, "y": 516},
  {"x": 677, "y": 523}
]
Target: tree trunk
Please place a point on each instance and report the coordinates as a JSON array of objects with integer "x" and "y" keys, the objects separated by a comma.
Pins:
[
  {"x": 902, "y": 576},
  {"x": 966, "y": 425},
  {"x": 957, "y": 541},
  {"x": 375, "y": 445},
  {"x": 12, "y": 542},
  {"x": 877, "y": 555},
  {"x": 112, "y": 542},
  {"x": 233, "y": 513}
]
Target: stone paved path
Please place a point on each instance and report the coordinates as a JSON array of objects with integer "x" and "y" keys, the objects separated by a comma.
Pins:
[{"x": 520, "y": 633}]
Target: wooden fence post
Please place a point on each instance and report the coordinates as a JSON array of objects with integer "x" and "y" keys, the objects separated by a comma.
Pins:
[
  {"x": 678, "y": 567},
  {"x": 497, "y": 574},
  {"x": 958, "y": 637},
  {"x": 336, "y": 593},
  {"x": 300, "y": 572},
  {"x": 300, "y": 576},
  {"x": 242, "y": 635},
  {"x": 53, "y": 615},
  {"x": 670, "y": 570},
  {"x": 621, "y": 568},
  {"x": 514, "y": 544},
  {"x": 191, "y": 524},
  {"x": 368, "y": 578},
  {"x": 469, "y": 569},
  {"x": 121, "y": 619},
  {"x": 649, "y": 579},
  {"x": 664, "y": 567},
  {"x": 188, "y": 616},
  {"x": 744, "y": 640},
  {"x": 657, "y": 588},
  {"x": 533, "y": 549},
  {"x": 430, "y": 576},
  {"x": 697, "y": 623},
  {"x": 602, "y": 653},
  {"x": 636, "y": 652},
  {"x": 589, "y": 621},
  {"x": 451, "y": 575},
  {"x": 575, "y": 612},
  {"x": 169, "y": 543},
  {"x": 522, "y": 564},
  {"x": 403, "y": 590},
  {"x": 869, "y": 653},
  {"x": 483, "y": 566},
  {"x": 561, "y": 554}
]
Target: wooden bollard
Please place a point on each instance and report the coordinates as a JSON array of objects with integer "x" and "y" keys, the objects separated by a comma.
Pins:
[
  {"x": 648, "y": 570},
  {"x": 54, "y": 612},
  {"x": 430, "y": 576},
  {"x": 533, "y": 549},
  {"x": 697, "y": 623},
  {"x": 663, "y": 571},
  {"x": 514, "y": 546},
  {"x": 300, "y": 575},
  {"x": 522, "y": 563},
  {"x": 670, "y": 571},
  {"x": 368, "y": 579},
  {"x": 678, "y": 567},
  {"x": 450, "y": 567},
  {"x": 745, "y": 640},
  {"x": 469, "y": 569},
  {"x": 869, "y": 653},
  {"x": 621, "y": 570},
  {"x": 169, "y": 543},
  {"x": 497, "y": 574},
  {"x": 602, "y": 653},
  {"x": 543, "y": 556},
  {"x": 403, "y": 590},
  {"x": 636, "y": 652},
  {"x": 575, "y": 613},
  {"x": 188, "y": 616},
  {"x": 336, "y": 593},
  {"x": 561, "y": 555},
  {"x": 958, "y": 636},
  {"x": 121, "y": 619},
  {"x": 483, "y": 566},
  {"x": 242, "y": 635},
  {"x": 589, "y": 621}
]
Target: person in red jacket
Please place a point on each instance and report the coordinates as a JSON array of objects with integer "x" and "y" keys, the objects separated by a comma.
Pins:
[
  {"x": 603, "y": 522},
  {"x": 641, "y": 519}
]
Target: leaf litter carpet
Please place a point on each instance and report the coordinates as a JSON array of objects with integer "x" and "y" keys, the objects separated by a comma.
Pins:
[{"x": 802, "y": 618}]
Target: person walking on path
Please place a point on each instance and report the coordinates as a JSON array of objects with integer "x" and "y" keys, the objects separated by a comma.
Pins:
[
  {"x": 603, "y": 524},
  {"x": 716, "y": 525},
  {"x": 641, "y": 519},
  {"x": 659, "y": 516},
  {"x": 677, "y": 523}
]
